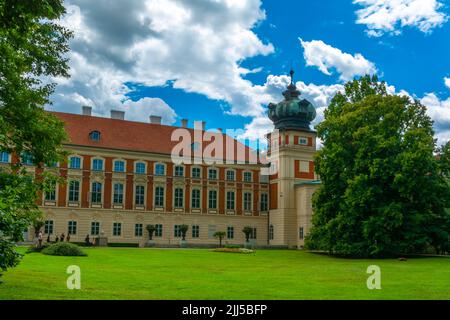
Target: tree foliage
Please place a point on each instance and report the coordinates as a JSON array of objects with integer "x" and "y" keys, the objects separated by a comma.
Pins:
[
  {"x": 382, "y": 190},
  {"x": 33, "y": 49}
]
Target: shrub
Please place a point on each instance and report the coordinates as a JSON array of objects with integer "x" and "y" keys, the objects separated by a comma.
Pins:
[
  {"x": 33, "y": 248},
  {"x": 234, "y": 250},
  {"x": 232, "y": 246},
  {"x": 64, "y": 249},
  {"x": 123, "y": 245}
]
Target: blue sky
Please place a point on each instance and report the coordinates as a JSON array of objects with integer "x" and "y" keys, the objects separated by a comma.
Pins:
[{"x": 223, "y": 61}]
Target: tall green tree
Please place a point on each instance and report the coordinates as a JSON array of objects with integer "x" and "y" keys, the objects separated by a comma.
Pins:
[
  {"x": 382, "y": 192},
  {"x": 33, "y": 47}
]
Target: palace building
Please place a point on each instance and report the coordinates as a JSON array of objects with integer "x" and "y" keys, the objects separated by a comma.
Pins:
[{"x": 120, "y": 177}]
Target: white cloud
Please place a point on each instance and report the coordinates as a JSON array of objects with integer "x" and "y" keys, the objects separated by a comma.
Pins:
[
  {"x": 325, "y": 57},
  {"x": 439, "y": 111},
  {"x": 319, "y": 95},
  {"x": 389, "y": 16},
  {"x": 196, "y": 45},
  {"x": 447, "y": 82}
]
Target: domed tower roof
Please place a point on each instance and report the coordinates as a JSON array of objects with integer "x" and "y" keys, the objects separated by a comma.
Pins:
[{"x": 292, "y": 113}]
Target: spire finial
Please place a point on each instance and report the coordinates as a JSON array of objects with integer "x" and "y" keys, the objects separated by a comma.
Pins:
[{"x": 292, "y": 75}]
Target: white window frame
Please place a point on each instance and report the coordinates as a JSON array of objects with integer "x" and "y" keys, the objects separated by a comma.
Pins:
[
  {"x": 103, "y": 164},
  {"x": 156, "y": 165},
  {"x": 144, "y": 195},
  {"x": 136, "y": 165},
  {"x": 164, "y": 196},
  {"x": 175, "y": 171},
  {"x": 192, "y": 170},
  {"x": 199, "y": 198},
  {"x": 78, "y": 157},
  {"x": 124, "y": 165},
  {"x": 234, "y": 175},
  {"x": 251, "y": 176}
]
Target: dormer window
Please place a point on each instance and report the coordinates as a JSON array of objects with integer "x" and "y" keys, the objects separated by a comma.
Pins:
[{"x": 94, "y": 136}]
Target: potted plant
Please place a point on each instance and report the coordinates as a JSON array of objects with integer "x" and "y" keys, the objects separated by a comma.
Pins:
[
  {"x": 151, "y": 230},
  {"x": 183, "y": 229},
  {"x": 219, "y": 235},
  {"x": 247, "y": 231}
]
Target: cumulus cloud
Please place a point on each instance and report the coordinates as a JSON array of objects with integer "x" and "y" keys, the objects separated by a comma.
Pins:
[
  {"x": 319, "y": 95},
  {"x": 439, "y": 111},
  {"x": 197, "y": 46},
  {"x": 389, "y": 16},
  {"x": 447, "y": 82},
  {"x": 325, "y": 57}
]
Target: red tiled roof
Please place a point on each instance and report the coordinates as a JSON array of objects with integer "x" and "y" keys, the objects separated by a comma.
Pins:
[{"x": 128, "y": 135}]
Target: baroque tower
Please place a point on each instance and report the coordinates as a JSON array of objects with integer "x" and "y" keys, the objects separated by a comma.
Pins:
[{"x": 292, "y": 146}]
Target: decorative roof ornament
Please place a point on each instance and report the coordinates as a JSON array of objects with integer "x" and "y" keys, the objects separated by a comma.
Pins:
[{"x": 292, "y": 113}]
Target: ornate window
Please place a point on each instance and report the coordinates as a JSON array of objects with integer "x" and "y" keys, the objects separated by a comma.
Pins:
[
  {"x": 74, "y": 191},
  {"x": 118, "y": 193},
  {"x": 230, "y": 200},
  {"x": 212, "y": 199},
  {"x": 140, "y": 168},
  {"x": 248, "y": 201},
  {"x": 212, "y": 174},
  {"x": 74, "y": 162},
  {"x": 196, "y": 173},
  {"x": 139, "y": 196},
  {"x": 179, "y": 171},
  {"x": 247, "y": 176},
  {"x": 179, "y": 197},
  {"x": 230, "y": 175},
  {"x": 96, "y": 192},
  {"x": 264, "y": 206},
  {"x": 160, "y": 169},
  {"x": 159, "y": 197},
  {"x": 119, "y": 166},
  {"x": 97, "y": 164},
  {"x": 195, "y": 199}
]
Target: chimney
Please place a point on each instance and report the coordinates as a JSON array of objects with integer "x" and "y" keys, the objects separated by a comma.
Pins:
[
  {"x": 184, "y": 123},
  {"x": 155, "y": 119},
  {"x": 86, "y": 111},
  {"x": 118, "y": 115}
]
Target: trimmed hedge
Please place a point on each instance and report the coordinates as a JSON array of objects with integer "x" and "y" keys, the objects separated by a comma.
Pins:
[
  {"x": 66, "y": 249},
  {"x": 123, "y": 245}
]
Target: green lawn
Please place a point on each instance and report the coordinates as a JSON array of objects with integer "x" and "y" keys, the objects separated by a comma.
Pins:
[{"x": 117, "y": 273}]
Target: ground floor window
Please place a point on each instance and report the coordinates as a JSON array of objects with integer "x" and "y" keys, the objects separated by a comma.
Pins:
[
  {"x": 158, "y": 230},
  {"x": 195, "y": 231},
  {"x": 177, "y": 231},
  {"x": 138, "y": 229},
  {"x": 48, "y": 227},
  {"x": 253, "y": 234},
  {"x": 300, "y": 233},
  {"x": 211, "y": 231},
  {"x": 95, "y": 228},
  {"x": 230, "y": 232},
  {"x": 271, "y": 232},
  {"x": 72, "y": 227},
  {"x": 117, "y": 229}
]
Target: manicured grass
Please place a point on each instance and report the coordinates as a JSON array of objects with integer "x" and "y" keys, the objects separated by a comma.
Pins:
[{"x": 127, "y": 273}]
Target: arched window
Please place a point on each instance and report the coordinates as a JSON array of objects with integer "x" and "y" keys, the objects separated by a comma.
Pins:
[
  {"x": 119, "y": 166},
  {"x": 94, "y": 136}
]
